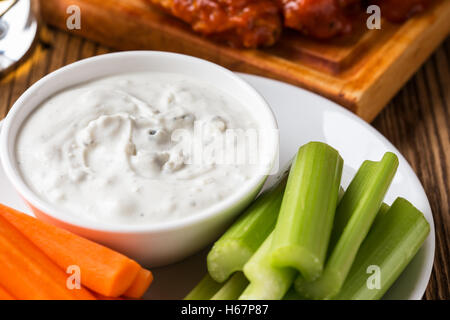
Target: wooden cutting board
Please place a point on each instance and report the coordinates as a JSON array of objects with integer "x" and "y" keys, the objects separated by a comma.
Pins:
[{"x": 362, "y": 71}]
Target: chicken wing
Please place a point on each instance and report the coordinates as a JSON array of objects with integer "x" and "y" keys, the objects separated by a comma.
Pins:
[
  {"x": 243, "y": 23},
  {"x": 321, "y": 19},
  {"x": 399, "y": 11}
]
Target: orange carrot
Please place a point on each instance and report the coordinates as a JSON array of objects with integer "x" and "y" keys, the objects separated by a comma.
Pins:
[
  {"x": 140, "y": 284},
  {"x": 102, "y": 297},
  {"x": 102, "y": 270},
  {"x": 4, "y": 295},
  {"x": 27, "y": 273}
]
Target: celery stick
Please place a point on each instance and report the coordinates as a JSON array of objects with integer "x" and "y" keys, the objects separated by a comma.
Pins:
[
  {"x": 209, "y": 289},
  {"x": 242, "y": 239},
  {"x": 347, "y": 205},
  {"x": 383, "y": 209},
  {"x": 340, "y": 194},
  {"x": 292, "y": 294},
  {"x": 232, "y": 288},
  {"x": 205, "y": 289},
  {"x": 358, "y": 208},
  {"x": 266, "y": 282},
  {"x": 306, "y": 215},
  {"x": 392, "y": 242}
]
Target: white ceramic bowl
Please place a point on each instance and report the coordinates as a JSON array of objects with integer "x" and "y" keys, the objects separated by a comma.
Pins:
[{"x": 151, "y": 244}]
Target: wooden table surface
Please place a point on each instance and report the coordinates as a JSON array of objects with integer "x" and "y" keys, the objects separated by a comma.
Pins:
[{"x": 416, "y": 121}]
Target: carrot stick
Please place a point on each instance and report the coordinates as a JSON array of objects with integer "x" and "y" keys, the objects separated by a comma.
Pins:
[
  {"x": 140, "y": 284},
  {"x": 4, "y": 295},
  {"x": 27, "y": 273},
  {"x": 102, "y": 270},
  {"x": 102, "y": 297}
]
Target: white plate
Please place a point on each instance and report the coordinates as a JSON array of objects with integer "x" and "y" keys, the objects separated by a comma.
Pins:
[{"x": 302, "y": 117}]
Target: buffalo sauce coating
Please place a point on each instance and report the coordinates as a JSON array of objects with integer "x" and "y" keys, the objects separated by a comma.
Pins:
[
  {"x": 256, "y": 23},
  {"x": 321, "y": 19},
  {"x": 399, "y": 11},
  {"x": 246, "y": 23}
]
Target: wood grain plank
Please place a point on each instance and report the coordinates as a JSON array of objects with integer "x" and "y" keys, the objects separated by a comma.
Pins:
[
  {"x": 21, "y": 79},
  {"x": 59, "y": 50},
  {"x": 73, "y": 50},
  {"x": 416, "y": 121},
  {"x": 41, "y": 58},
  {"x": 88, "y": 49},
  {"x": 6, "y": 84}
]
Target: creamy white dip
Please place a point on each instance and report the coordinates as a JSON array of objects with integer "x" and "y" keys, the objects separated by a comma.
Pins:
[{"x": 106, "y": 149}]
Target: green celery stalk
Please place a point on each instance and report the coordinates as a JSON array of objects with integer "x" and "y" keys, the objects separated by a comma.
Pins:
[
  {"x": 392, "y": 242},
  {"x": 205, "y": 289},
  {"x": 307, "y": 211},
  {"x": 354, "y": 217},
  {"x": 347, "y": 205},
  {"x": 232, "y": 288},
  {"x": 243, "y": 238},
  {"x": 383, "y": 209},
  {"x": 266, "y": 282},
  {"x": 292, "y": 294},
  {"x": 340, "y": 194},
  {"x": 209, "y": 289}
]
